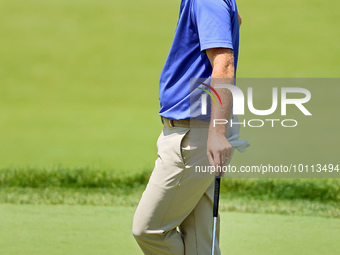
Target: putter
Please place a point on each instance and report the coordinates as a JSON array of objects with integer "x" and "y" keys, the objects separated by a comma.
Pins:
[{"x": 215, "y": 210}]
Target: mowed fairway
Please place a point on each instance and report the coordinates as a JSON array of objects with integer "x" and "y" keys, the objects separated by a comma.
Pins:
[
  {"x": 79, "y": 88},
  {"x": 40, "y": 230}
]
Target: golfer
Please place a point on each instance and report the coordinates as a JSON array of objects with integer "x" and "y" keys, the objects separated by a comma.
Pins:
[{"x": 174, "y": 215}]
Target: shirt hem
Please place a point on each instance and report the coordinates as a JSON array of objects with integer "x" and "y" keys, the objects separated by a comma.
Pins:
[{"x": 211, "y": 45}]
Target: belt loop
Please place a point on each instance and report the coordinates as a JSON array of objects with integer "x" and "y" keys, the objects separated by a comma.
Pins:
[{"x": 168, "y": 121}]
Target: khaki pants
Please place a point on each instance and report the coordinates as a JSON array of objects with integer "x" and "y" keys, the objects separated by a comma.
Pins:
[{"x": 174, "y": 215}]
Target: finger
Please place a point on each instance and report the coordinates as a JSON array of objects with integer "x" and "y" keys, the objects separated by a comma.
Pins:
[
  {"x": 212, "y": 162},
  {"x": 217, "y": 159},
  {"x": 211, "y": 158},
  {"x": 222, "y": 159},
  {"x": 228, "y": 154},
  {"x": 225, "y": 157}
]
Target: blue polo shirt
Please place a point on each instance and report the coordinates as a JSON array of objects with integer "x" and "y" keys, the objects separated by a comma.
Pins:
[{"x": 202, "y": 24}]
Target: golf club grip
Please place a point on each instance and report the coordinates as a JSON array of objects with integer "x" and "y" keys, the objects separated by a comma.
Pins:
[{"x": 216, "y": 196}]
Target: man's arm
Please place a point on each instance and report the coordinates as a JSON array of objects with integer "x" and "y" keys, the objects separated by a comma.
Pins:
[{"x": 218, "y": 147}]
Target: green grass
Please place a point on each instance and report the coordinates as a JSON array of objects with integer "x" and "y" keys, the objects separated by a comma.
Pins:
[
  {"x": 77, "y": 84},
  {"x": 109, "y": 197},
  {"x": 63, "y": 177},
  {"x": 86, "y": 186},
  {"x": 62, "y": 229},
  {"x": 79, "y": 79},
  {"x": 289, "y": 38},
  {"x": 66, "y": 230},
  {"x": 79, "y": 87}
]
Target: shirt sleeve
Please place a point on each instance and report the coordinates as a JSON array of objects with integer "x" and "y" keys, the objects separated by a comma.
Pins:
[{"x": 213, "y": 19}]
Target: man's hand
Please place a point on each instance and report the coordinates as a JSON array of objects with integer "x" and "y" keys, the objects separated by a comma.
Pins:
[{"x": 219, "y": 149}]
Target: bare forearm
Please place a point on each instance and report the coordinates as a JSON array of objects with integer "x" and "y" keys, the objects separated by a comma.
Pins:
[{"x": 223, "y": 73}]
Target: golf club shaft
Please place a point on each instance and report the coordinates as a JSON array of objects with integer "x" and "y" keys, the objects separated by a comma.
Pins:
[{"x": 214, "y": 237}]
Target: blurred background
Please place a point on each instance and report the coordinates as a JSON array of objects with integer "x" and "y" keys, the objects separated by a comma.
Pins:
[
  {"x": 79, "y": 120},
  {"x": 79, "y": 80}
]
